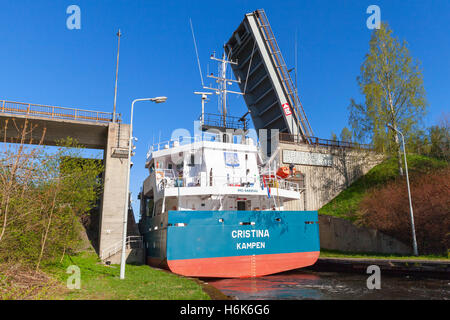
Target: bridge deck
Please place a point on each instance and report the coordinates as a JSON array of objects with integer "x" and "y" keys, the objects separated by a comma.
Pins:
[
  {"x": 265, "y": 81},
  {"x": 54, "y": 112},
  {"x": 89, "y": 128}
]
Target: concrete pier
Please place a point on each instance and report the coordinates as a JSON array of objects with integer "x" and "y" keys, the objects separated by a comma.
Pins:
[{"x": 115, "y": 180}]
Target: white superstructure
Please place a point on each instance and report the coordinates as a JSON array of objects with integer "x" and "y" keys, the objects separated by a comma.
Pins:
[
  {"x": 212, "y": 175},
  {"x": 221, "y": 169}
]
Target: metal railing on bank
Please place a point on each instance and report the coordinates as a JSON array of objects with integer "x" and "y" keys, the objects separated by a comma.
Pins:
[{"x": 132, "y": 242}]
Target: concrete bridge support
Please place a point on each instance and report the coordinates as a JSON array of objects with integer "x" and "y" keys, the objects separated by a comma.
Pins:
[{"x": 115, "y": 180}]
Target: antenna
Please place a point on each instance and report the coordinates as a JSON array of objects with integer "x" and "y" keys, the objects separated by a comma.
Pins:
[
  {"x": 196, "y": 52},
  {"x": 296, "y": 57},
  {"x": 117, "y": 73},
  {"x": 296, "y": 66}
]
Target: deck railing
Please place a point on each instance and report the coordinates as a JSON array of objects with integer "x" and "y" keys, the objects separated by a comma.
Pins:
[
  {"x": 54, "y": 112},
  {"x": 204, "y": 137},
  {"x": 166, "y": 178},
  {"x": 229, "y": 122}
]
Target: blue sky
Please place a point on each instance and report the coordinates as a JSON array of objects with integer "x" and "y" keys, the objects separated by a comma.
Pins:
[{"x": 41, "y": 61}]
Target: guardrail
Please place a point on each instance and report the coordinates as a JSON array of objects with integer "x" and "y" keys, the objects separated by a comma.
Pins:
[
  {"x": 183, "y": 140},
  {"x": 167, "y": 178},
  {"x": 282, "y": 184},
  {"x": 295, "y": 139},
  {"x": 54, "y": 112},
  {"x": 229, "y": 122}
]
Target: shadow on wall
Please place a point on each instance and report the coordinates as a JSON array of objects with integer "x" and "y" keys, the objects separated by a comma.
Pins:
[
  {"x": 91, "y": 227},
  {"x": 348, "y": 167}
]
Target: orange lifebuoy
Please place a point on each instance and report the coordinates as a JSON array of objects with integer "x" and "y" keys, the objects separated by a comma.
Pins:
[{"x": 283, "y": 172}]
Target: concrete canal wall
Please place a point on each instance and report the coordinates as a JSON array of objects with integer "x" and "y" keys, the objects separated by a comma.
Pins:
[
  {"x": 327, "y": 171},
  {"x": 439, "y": 269},
  {"x": 342, "y": 235}
]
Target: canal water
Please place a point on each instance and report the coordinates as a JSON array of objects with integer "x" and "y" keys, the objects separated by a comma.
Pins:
[{"x": 311, "y": 285}]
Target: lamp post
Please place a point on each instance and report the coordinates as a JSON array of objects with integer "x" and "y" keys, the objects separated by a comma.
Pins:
[
  {"x": 125, "y": 211},
  {"x": 409, "y": 192}
]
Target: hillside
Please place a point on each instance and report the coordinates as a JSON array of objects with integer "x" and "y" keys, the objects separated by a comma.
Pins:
[
  {"x": 379, "y": 200},
  {"x": 346, "y": 204}
]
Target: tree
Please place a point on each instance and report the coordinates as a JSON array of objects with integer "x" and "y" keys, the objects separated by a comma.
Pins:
[
  {"x": 346, "y": 135},
  {"x": 440, "y": 139},
  {"x": 333, "y": 137},
  {"x": 394, "y": 94},
  {"x": 44, "y": 197},
  {"x": 418, "y": 142}
]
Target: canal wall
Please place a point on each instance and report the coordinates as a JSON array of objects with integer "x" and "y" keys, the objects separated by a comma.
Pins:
[
  {"x": 342, "y": 235},
  {"x": 325, "y": 170},
  {"x": 439, "y": 269}
]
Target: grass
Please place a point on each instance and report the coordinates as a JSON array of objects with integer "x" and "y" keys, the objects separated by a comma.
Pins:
[
  {"x": 346, "y": 204},
  {"x": 340, "y": 254},
  {"x": 100, "y": 282}
]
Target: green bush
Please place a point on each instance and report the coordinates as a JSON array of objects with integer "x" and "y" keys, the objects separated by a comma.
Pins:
[{"x": 43, "y": 198}]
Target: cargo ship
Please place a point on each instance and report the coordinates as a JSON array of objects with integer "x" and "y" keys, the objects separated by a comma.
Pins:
[{"x": 213, "y": 204}]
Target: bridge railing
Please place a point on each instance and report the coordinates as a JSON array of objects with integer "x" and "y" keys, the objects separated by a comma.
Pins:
[
  {"x": 54, "y": 112},
  {"x": 295, "y": 139}
]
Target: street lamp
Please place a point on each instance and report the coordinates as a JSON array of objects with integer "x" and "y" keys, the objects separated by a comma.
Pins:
[
  {"x": 409, "y": 193},
  {"x": 125, "y": 212}
]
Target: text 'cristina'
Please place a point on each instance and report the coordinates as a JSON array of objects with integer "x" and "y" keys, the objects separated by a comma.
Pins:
[{"x": 250, "y": 234}]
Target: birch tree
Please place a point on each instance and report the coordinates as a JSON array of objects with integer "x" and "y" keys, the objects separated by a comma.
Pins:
[{"x": 392, "y": 85}]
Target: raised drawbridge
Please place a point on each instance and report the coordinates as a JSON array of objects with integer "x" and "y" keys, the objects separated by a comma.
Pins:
[{"x": 269, "y": 92}]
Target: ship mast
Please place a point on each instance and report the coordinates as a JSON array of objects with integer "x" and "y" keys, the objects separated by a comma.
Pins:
[{"x": 222, "y": 81}]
